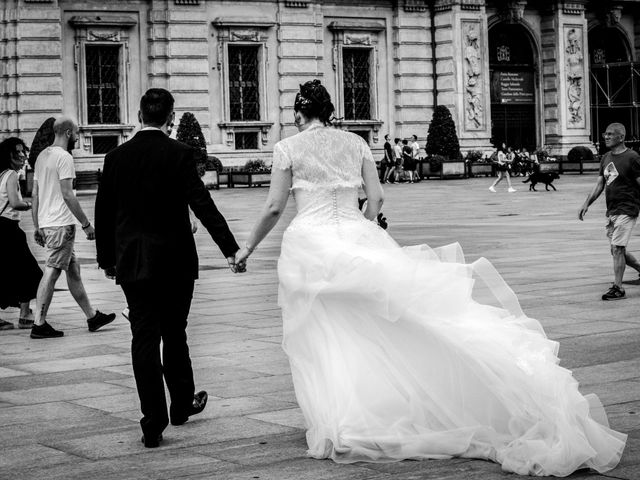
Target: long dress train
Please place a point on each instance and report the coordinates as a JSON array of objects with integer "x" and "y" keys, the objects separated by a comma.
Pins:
[{"x": 392, "y": 354}]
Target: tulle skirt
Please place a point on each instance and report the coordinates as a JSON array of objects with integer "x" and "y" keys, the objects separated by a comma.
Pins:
[{"x": 410, "y": 353}]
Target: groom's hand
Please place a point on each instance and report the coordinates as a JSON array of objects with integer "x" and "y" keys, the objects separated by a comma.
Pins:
[
  {"x": 233, "y": 265},
  {"x": 110, "y": 273}
]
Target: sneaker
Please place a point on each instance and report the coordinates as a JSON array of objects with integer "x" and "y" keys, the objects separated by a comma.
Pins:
[
  {"x": 45, "y": 331},
  {"x": 511, "y": 190},
  {"x": 99, "y": 320},
  {"x": 125, "y": 313},
  {"x": 491, "y": 189},
  {"x": 4, "y": 325},
  {"x": 25, "y": 323},
  {"x": 614, "y": 293}
]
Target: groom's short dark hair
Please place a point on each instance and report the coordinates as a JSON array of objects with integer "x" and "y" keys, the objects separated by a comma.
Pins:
[{"x": 155, "y": 106}]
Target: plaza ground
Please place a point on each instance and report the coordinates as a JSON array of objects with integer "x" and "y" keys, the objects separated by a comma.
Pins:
[{"x": 69, "y": 408}]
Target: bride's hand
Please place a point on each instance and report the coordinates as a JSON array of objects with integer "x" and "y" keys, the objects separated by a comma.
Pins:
[{"x": 241, "y": 257}]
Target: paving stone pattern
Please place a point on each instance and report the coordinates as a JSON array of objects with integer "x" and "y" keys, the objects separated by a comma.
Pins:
[{"x": 69, "y": 408}]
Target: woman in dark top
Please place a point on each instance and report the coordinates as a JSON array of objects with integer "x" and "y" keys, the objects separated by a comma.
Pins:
[
  {"x": 408, "y": 163},
  {"x": 20, "y": 271}
]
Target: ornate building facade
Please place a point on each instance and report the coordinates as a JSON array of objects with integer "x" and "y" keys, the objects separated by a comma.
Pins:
[{"x": 527, "y": 73}]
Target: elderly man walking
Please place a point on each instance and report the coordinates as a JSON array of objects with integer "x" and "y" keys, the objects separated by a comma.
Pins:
[
  {"x": 55, "y": 213},
  {"x": 620, "y": 179}
]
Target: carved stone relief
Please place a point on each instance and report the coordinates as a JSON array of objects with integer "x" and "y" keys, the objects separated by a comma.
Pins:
[
  {"x": 103, "y": 36},
  {"x": 357, "y": 39},
  {"x": 574, "y": 60},
  {"x": 473, "y": 96},
  {"x": 514, "y": 12},
  {"x": 245, "y": 35}
]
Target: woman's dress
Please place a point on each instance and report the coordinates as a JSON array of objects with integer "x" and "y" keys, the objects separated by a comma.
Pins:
[
  {"x": 393, "y": 357},
  {"x": 20, "y": 274}
]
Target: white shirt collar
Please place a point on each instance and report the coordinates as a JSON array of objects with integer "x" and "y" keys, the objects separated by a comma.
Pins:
[{"x": 149, "y": 128}]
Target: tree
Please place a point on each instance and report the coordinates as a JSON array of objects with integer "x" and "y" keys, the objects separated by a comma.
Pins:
[
  {"x": 442, "y": 138},
  {"x": 189, "y": 132},
  {"x": 43, "y": 139}
]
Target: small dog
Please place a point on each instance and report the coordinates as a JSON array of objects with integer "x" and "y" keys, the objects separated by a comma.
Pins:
[{"x": 542, "y": 177}]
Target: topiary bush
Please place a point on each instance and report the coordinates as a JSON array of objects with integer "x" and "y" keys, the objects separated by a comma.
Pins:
[
  {"x": 256, "y": 166},
  {"x": 442, "y": 138},
  {"x": 580, "y": 153},
  {"x": 44, "y": 138},
  {"x": 189, "y": 132}
]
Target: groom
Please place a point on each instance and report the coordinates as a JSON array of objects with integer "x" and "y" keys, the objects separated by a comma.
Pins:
[{"x": 144, "y": 241}]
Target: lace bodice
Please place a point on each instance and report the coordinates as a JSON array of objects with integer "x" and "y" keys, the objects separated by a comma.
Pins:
[{"x": 326, "y": 167}]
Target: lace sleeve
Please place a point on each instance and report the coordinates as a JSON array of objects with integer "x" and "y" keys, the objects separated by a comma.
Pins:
[
  {"x": 367, "y": 156},
  {"x": 281, "y": 159}
]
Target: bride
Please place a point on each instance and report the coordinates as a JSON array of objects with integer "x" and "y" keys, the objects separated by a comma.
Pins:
[{"x": 392, "y": 356}]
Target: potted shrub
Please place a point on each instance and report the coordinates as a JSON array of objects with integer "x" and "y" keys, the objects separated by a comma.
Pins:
[
  {"x": 190, "y": 132},
  {"x": 254, "y": 173},
  {"x": 547, "y": 163},
  {"x": 442, "y": 140},
  {"x": 477, "y": 164},
  {"x": 212, "y": 170},
  {"x": 576, "y": 160}
]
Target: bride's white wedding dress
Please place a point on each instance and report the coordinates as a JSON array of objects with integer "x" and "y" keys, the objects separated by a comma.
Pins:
[{"x": 393, "y": 358}]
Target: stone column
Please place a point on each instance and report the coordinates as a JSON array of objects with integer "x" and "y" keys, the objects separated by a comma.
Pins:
[
  {"x": 566, "y": 78},
  {"x": 300, "y": 54},
  {"x": 187, "y": 60},
  {"x": 31, "y": 86},
  {"x": 412, "y": 70},
  {"x": 463, "y": 70}
]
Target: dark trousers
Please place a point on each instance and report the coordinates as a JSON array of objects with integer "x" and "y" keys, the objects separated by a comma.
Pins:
[{"x": 158, "y": 311}]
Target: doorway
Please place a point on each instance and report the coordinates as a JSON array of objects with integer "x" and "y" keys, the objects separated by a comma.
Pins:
[{"x": 513, "y": 94}]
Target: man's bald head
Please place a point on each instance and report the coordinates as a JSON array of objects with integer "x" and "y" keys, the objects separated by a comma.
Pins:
[
  {"x": 62, "y": 124},
  {"x": 617, "y": 128}
]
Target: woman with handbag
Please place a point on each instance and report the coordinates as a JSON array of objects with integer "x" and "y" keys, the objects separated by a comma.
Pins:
[{"x": 20, "y": 273}]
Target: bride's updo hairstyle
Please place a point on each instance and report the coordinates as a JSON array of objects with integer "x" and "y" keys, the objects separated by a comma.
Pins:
[{"x": 314, "y": 101}]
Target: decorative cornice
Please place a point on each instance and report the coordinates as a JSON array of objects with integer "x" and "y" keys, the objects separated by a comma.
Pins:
[
  {"x": 443, "y": 5},
  {"x": 296, "y": 3},
  {"x": 241, "y": 22},
  {"x": 38, "y": 1},
  {"x": 475, "y": 5},
  {"x": 355, "y": 25},
  {"x": 186, "y": 2},
  {"x": 415, "y": 6},
  {"x": 103, "y": 20},
  {"x": 573, "y": 7}
]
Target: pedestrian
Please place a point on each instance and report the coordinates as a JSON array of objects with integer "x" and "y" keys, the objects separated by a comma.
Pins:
[
  {"x": 620, "y": 179},
  {"x": 502, "y": 167},
  {"x": 397, "y": 152},
  {"x": 20, "y": 271},
  {"x": 55, "y": 212},
  {"x": 407, "y": 159},
  {"x": 415, "y": 152},
  {"x": 151, "y": 253},
  {"x": 388, "y": 161}
]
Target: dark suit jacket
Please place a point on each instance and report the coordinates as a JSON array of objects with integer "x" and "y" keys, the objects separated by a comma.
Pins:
[{"x": 141, "y": 216}]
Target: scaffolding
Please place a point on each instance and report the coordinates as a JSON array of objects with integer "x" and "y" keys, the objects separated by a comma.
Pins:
[{"x": 615, "y": 97}]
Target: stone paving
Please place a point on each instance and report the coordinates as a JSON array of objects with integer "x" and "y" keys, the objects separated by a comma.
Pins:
[{"x": 69, "y": 409}]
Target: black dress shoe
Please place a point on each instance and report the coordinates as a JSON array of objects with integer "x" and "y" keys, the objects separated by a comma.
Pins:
[
  {"x": 199, "y": 402},
  {"x": 152, "y": 442}
]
